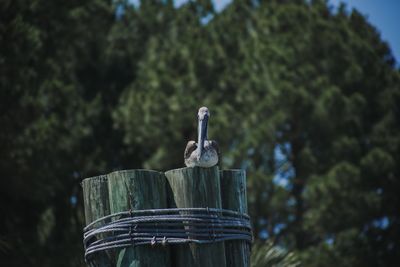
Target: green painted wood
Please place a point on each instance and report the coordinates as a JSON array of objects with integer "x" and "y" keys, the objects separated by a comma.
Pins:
[
  {"x": 96, "y": 204},
  {"x": 234, "y": 197},
  {"x": 196, "y": 188},
  {"x": 136, "y": 190}
]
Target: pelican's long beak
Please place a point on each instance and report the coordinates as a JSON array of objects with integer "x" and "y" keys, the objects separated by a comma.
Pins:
[{"x": 202, "y": 135}]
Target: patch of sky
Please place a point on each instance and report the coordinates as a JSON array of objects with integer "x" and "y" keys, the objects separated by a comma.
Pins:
[
  {"x": 278, "y": 228},
  {"x": 73, "y": 200},
  {"x": 263, "y": 234},
  {"x": 219, "y": 5},
  {"x": 281, "y": 181},
  {"x": 383, "y": 15},
  {"x": 329, "y": 241},
  {"x": 119, "y": 11},
  {"x": 284, "y": 169},
  {"x": 135, "y": 3},
  {"x": 280, "y": 152},
  {"x": 206, "y": 19},
  {"x": 381, "y": 223},
  {"x": 250, "y": 151}
]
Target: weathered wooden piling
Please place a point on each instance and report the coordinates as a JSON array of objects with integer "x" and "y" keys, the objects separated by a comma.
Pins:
[
  {"x": 137, "y": 190},
  {"x": 234, "y": 197},
  {"x": 196, "y": 188},
  {"x": 97, "y": 205},
  {"x": 180, "y": 188}
]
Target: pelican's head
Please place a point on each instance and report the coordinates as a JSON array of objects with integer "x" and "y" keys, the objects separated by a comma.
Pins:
[
  {"x": 203, "y": 113},
  {"x": 203, "y": 116}
]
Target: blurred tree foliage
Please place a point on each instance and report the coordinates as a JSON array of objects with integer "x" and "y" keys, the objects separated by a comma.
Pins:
[
  {"x": 303, "y": 96},
  {"x": 268, "y": 255}
]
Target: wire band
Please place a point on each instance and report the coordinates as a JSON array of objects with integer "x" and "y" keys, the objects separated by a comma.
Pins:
[{"x": 165, "y": 226}]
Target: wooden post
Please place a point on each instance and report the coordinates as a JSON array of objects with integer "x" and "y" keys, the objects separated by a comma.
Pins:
[
  {"x": 186, "y": 188},
  {"x": 136, "y": 190},
  {"x": 196, "y": 188},
  {"x": 234, "y": 197},
  {"x": 97, "y": 205}
]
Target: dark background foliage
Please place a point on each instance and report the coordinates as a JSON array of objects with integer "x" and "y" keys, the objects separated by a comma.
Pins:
[{"x": 303, "y": 96}]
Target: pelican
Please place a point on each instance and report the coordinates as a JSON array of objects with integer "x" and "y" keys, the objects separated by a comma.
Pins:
[{"x": 204, "y": 153}]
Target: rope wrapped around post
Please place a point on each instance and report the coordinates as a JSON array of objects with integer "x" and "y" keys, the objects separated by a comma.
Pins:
[{"x": 165, "y": 226}]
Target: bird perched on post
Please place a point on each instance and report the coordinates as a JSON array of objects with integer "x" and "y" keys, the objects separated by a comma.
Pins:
[{"x": 205, "y": 152}]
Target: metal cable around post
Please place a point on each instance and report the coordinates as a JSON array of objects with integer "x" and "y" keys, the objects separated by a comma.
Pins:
[{"x": 165, "y": 226}]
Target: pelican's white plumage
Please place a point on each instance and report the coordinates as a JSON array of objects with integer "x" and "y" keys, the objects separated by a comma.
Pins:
[{"x": 204, "y": 153}]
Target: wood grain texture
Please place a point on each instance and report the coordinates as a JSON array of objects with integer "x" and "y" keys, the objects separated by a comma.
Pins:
[
  {"x": 97, "y": 205},
  {"x": 234, "y": 197},
  {"x": 196, "y": 187},
  {"x": 137, "y": 190}
]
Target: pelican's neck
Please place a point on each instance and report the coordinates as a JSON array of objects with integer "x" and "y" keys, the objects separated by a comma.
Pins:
[
  {"x": 202, "y": 132},
  {"x": 202, "y": 136},
  {"x": 198, "y": 133}
]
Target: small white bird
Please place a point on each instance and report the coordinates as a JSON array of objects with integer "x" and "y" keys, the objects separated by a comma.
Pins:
[{"x": 205, "y": 152}]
